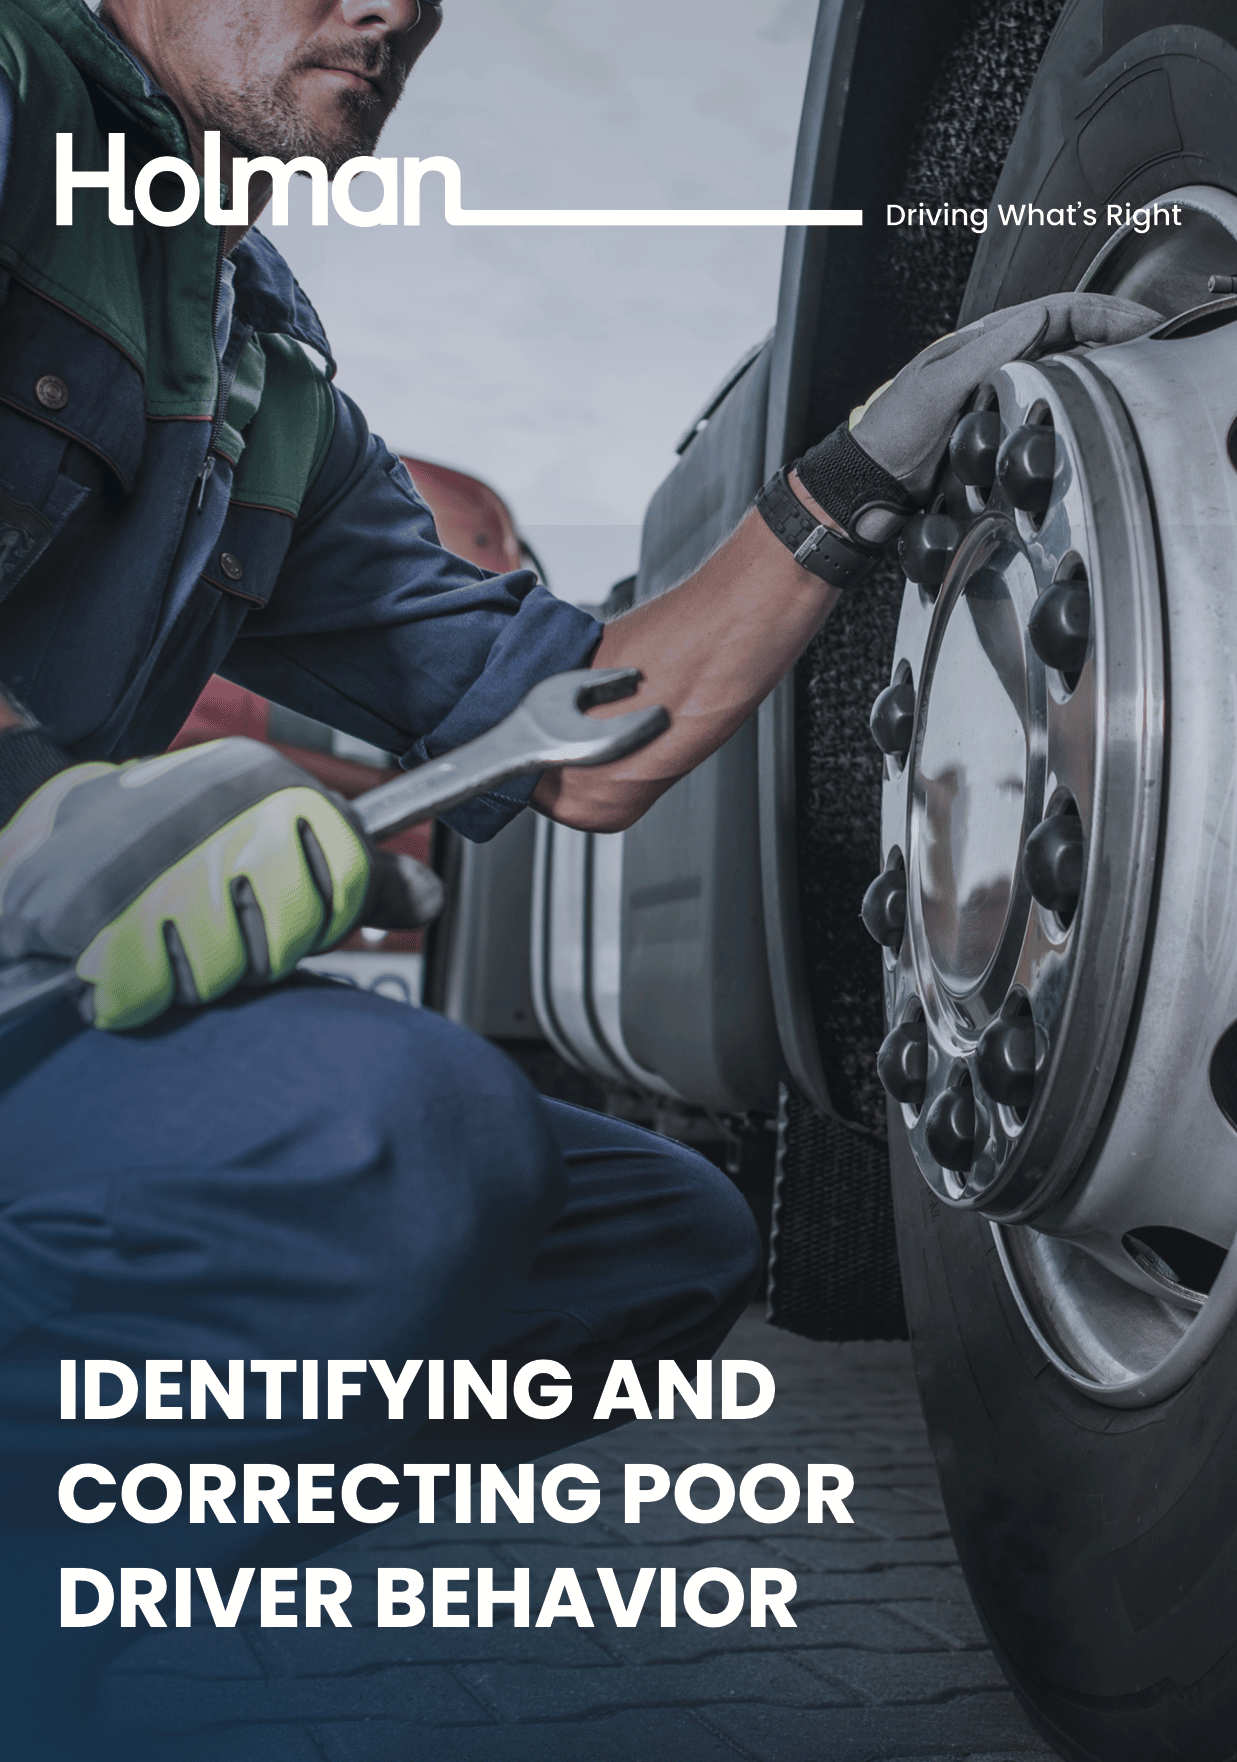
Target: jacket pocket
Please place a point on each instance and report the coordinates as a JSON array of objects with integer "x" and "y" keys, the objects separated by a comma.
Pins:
[
  {"x": 70, "y": 380},
  {"x": 72, "y": 423}
]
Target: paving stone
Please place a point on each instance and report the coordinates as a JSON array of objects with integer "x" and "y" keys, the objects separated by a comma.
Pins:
[
  {"x": 420, "y": 1546},
  {"x": 953, "y": 1619},
  {"x": 283, "y": 1743},
  {"x": 970, "y": 1724},
  {"x": 886, "y": 1663},
  {"x": 254, "y": 1743},
  {"x": 862, "y": 1555},
  {"x": 650, "y": 1735},
  {"x": 690, "y": 1553},
  {"x": 521, "y": 1693},
  {"x": 424, "y": 1695},
  {"x": 858, "y": 1626},
  {"x": 927, "y": 1526},
  {"x": 220, "y": 1653},
  {"x": 919, "y": 1677},
  {"x": 327, "y": 1652},
  {"x": 886, "y": 1584},
  {"x": 979, "y": 1756}
]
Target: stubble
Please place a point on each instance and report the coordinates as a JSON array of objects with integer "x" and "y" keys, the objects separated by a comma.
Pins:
[{"x": 259, "y": 119}]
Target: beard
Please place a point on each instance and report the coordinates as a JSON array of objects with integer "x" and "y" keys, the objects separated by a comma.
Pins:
[{"x": 266, "y": 119}]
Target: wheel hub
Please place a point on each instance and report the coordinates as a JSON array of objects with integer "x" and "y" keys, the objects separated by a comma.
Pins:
[
  {"x": 970, "y": 781},
  {"x": 1060, "y": 922},
  {"x": 995, "y": 806}
]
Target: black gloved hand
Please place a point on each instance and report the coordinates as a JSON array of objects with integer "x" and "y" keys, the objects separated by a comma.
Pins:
[{"x": 874, "y": 471}]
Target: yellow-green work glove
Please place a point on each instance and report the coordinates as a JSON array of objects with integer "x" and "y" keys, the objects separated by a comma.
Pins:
[{"x": 173, "y": 879}]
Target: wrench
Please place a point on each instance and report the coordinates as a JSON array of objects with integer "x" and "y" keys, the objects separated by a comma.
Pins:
[{"x": 547, "y": 727}]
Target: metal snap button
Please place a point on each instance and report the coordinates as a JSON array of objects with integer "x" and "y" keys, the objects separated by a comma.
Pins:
[
  {"x": 51, "y": 392},
  {"x": 231, "y": 566}
]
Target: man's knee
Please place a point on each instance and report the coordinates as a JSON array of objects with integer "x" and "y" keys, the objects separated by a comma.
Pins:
[
  {"x": 656, "y": 1251},
  {"x": 451, "y": 1147},
  {"x": 315, "y": 1166},
  {"x": 717, "y": 1238}
]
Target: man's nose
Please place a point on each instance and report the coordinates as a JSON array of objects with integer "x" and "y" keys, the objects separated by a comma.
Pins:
[{"x": 393, "y": 15}]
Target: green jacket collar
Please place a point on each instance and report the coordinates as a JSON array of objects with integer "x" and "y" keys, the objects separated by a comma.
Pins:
[{"x": 94, "y": 50}]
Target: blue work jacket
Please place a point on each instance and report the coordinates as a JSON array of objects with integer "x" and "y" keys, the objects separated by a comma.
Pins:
[{"x": 115, "y": 608}]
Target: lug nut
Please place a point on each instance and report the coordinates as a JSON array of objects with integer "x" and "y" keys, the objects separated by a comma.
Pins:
[
  {"x": 893, "y": 717},
  {"x": 973, "y": 448},
  {"x": 1025, "y": 467},
  {"x": 926, "y": 548},
  {"x": 1053, "y": 863},
  {"x": 1005, "y": 1061},
  {"x": 884, "y": 908},
  {"x": 983, "y": 1172},
  {"x": 1060, "y": 624},
  {"x": 902, "y": 1062},
  {"x": 949, "y": 1129}
]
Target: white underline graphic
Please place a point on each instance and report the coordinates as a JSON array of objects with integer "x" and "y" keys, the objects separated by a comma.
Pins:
[
  {"x": 457, "y": 215},
  {"x": 655, "y": 217}
]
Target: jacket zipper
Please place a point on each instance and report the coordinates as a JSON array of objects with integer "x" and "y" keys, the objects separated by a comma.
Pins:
[{"x": 208, "y": 464}]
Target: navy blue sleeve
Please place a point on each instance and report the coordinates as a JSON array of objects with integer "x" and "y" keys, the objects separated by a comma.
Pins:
[{"x": 374, "y": 628}]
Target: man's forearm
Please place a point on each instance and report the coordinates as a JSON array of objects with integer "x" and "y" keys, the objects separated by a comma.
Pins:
[{"x": 710, "y": 649}]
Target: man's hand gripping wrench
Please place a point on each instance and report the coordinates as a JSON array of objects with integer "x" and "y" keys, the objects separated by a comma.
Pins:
[{"x": 548, "y": 727}]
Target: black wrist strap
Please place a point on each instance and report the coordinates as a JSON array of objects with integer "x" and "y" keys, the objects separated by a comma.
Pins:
[
  {"x": 825, "y": 553},
  {"x": 27, "y": 760},
  {"x": 853, "y": 489}
]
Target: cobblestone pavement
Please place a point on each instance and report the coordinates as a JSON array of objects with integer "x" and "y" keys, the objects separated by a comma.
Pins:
[{"x": 887, "y": 1660}]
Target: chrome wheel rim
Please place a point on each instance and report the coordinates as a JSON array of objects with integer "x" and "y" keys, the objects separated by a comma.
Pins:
[
  {"x": 1111, "y": 1189},
  {"x": 981, "y": 778}
]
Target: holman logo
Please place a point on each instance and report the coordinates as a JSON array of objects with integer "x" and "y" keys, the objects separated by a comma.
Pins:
[{"x": 396, "y": 177}]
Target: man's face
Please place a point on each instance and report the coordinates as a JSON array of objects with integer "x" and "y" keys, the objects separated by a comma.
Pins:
[{"x": 283, "y": 77}]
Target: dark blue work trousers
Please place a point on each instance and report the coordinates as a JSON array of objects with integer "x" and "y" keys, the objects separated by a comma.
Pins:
[{"x": 312, "y": 1172}]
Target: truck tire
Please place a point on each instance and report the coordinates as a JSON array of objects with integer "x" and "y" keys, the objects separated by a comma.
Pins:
[
  {"x": 1081, "y": 1396},
  {"x": 903, "y": 102}
]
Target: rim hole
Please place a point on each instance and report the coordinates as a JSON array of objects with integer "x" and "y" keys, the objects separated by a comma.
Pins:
[{"x": 1176, "y": 1257}]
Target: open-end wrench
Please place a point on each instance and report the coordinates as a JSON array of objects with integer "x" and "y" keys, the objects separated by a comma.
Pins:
[{"x": 548, "y": 727}]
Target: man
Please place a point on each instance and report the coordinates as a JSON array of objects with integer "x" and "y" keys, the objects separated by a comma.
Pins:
[{"x": 299, "y": 1172}]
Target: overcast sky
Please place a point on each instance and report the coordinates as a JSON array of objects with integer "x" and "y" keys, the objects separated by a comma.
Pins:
[{"x": 561, "y": 365}]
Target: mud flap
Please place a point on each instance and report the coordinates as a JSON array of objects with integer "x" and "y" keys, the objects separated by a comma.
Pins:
[{"x": 833, "y": 1259}]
